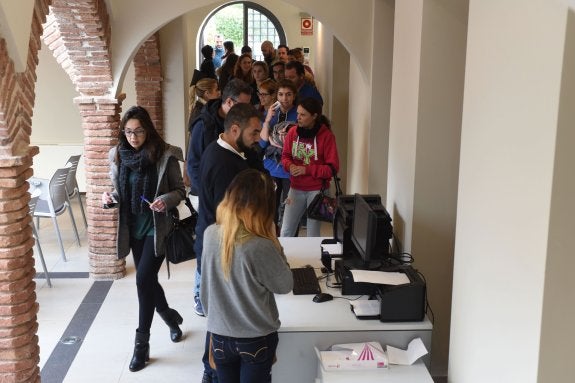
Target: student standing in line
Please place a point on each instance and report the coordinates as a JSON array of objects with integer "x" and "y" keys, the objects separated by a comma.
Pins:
[
  {"x": 218, "y": 50},
  {"x": 278, "y": 71},
  {"x": 221, "y": 162},
  {"x": 259, "y": 73},
  {"x": 309, "y": 154},
  {"x": 204, "y": 130},
  {"x": 243, "y": 69},
  {"x": 200, "y": 93},
  {"x": 276, "y": 124},
  {"x": 207, "y": 67},
  {"x": 243, "y": 266},
  {"x": 267, "y": 94},
  {"x": 147, "y": 183}
]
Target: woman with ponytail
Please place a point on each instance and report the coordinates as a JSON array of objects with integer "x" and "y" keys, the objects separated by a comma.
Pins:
[{"x": 310, "y": 156}]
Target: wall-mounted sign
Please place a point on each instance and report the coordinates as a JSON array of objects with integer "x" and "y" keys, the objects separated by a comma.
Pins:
[{"x": 307, "y": 26}]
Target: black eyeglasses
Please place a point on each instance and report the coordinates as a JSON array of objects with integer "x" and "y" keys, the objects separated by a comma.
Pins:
[
  {"x": 137, "y": 132},
  {"x": 264, "y": 94}
]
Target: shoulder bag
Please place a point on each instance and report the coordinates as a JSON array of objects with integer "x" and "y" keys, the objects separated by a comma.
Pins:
[
  {"x": 182, "y": 236},
  {"x": 323, "y": 206}
]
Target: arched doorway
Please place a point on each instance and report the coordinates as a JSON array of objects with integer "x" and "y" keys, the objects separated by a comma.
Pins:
[{"x": 244, "y": 23}]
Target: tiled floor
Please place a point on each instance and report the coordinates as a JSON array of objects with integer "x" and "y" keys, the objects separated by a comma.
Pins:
[{"x": 106, "y": 349}]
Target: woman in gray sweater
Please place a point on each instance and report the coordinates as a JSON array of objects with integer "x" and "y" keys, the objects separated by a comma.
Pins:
[
  {"x": 243, "y": 265},
  {"x": 147, "y": 180}
]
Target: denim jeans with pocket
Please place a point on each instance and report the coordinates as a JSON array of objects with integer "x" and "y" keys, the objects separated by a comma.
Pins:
[{"x": 244, "y": 360}]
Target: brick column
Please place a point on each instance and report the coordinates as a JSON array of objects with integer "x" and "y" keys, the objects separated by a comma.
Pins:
[
  {"x": 19, "y": 351},
  {"x": 148, "y": 80},
  {"x": 100, "y": 121}
]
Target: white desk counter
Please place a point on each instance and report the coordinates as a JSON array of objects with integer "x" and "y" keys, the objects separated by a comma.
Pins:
[{"x": 306, "y": 324}]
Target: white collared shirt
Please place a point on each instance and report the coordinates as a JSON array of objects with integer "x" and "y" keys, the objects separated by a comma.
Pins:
[{"x": 227, "y": 146}]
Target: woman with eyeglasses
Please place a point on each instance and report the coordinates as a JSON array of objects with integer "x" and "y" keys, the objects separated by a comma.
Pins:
[
  {"x": 278, "y": 119},
  {"x": 147, "y": 180},
  {"x": 267, "y": 90}
]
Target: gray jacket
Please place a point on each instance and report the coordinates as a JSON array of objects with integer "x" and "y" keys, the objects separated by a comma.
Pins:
[{"x": 170, "y": 189}]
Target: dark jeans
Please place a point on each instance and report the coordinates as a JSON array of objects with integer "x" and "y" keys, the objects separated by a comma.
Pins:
[
  {"x": 150, "y": 293},
  {"x": 244, "y": 360},
  {"x": 206, "y": 359}
]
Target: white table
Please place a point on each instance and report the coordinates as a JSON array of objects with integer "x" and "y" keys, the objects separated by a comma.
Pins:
[{"x": 306, "y": 324}]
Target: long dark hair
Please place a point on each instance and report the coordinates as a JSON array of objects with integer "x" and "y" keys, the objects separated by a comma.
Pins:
[
  {"x": 313, "y": 106},
  {"x": 154, "y": 146}
]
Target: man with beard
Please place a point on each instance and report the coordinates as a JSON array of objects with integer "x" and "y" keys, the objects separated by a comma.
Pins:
[
  {"x": 221, "y": 162},
  {"x": 270, "y": 56},
  {"x": 207, "y": 127}
]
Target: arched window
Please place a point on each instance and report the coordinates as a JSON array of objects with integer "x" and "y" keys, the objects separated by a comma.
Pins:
[{"x": 244, "y": 23}]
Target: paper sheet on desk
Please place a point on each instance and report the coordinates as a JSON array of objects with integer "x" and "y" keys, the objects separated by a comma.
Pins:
[
  {"x": 332, "y": 248},
  {"x": 366, "y": 308},
  {"x": 380, "y": 277},
  {"x": 415, "y": 350}
]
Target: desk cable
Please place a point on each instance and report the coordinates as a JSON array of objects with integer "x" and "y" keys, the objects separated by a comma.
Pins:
[{"x": 325, "y": 275}]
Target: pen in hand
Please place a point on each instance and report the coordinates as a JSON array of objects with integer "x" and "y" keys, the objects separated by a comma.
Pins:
[{"x": 145, "y": 200}]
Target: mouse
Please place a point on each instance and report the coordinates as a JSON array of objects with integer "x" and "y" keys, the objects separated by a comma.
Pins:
[{"x": 322, "y": 297}]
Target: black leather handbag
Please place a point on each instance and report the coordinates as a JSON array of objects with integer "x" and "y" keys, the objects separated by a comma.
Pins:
[
  {"x": 180, "y": 241},
  {"x": 323, "y": 206}
]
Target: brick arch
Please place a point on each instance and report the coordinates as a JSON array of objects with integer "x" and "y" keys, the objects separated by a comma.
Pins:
[
  {"x": 78, "y": 34},
  {"x": 19, "y": 351}
]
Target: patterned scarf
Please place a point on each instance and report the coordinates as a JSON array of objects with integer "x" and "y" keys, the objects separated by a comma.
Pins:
[{"x": 137, "y": 162}]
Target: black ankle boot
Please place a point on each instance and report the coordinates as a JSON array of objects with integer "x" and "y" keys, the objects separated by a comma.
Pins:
[
  {"x": 173, "y": 319},
  {"x": 141, "y": 351}
]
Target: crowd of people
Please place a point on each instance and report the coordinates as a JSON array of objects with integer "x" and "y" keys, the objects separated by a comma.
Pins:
[{"x": 259, "y": 149}]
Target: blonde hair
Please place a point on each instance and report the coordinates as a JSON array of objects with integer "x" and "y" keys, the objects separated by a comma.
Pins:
[
  {"x": 199, "y": 89},
  {"x": 247, "y": 211}
]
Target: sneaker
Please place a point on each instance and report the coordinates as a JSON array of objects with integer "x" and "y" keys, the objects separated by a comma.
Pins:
[{"x": 198, "y": 307}]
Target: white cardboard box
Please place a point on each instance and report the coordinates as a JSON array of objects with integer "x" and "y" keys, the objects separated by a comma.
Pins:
[{"x": 353, "y": 356}]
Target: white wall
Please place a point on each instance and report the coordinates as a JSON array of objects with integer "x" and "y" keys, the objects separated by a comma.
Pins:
[
  {"x": 56, "y": 119},
  {"x": 557, "y": 338},
  {"x": 508, "y": 149},
  {"x": 174, "y": 87},
  {"x": 52, "y": 157},
  {"x": 403, "y": 117}
]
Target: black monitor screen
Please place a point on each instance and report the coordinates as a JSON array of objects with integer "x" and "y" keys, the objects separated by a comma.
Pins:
[
  {"x": 370, "y": 230},
  {"x": 361, "y": 232}
]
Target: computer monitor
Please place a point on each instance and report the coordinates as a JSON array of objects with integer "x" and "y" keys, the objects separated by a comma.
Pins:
[
  {"x": 371, "y": 231},
  {"x": 344, "y": 216}
]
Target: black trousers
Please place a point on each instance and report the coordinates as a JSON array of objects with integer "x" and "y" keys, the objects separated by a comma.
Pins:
[{"x": 150, "y": 293}]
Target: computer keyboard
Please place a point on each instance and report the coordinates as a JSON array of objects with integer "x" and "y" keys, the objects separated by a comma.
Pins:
[{"x": 305, "y": 281}]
